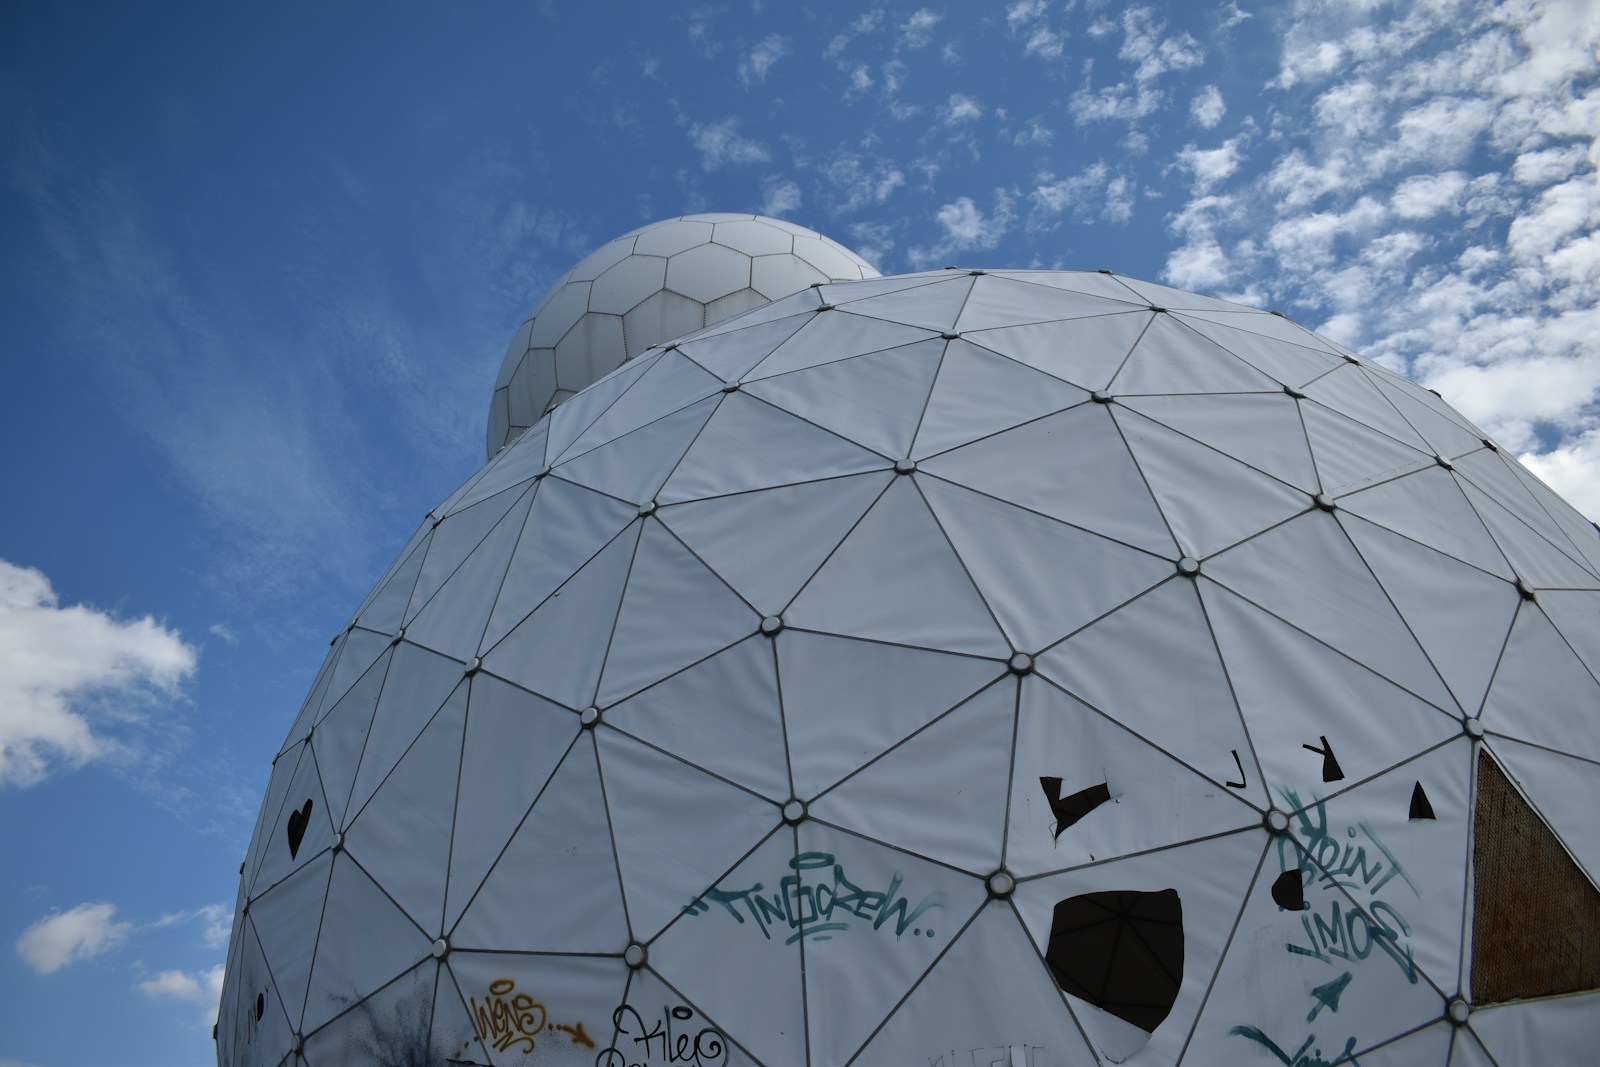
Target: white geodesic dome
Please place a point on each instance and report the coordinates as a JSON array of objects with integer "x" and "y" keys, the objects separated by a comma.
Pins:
[
  {"x": 1034, "y": 668},
  {"x": 658, "y": 282}
]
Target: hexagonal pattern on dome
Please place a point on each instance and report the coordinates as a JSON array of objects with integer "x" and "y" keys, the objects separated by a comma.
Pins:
[
  {"x": 658, "y": 282},
  {"x": 1047, "y": 664}
]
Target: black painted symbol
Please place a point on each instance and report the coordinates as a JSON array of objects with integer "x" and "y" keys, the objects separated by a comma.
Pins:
[
  {"x": 1327, "y": 995},
  {"x": 1242, "y": 779},
  {"x": 1070, "y": 809},
  {"x": 1421, "y": 807},
  {"x": 1289, "y": 890},
  {"x": 261, "y": 1006},
  {"x": 1331, "y": 771},
  {"x": 1121, "y": 951},
  {"x": 298, "y": 821}
]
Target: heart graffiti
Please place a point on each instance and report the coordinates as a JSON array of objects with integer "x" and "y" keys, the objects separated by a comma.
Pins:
[{"x": 298, "y": 821}]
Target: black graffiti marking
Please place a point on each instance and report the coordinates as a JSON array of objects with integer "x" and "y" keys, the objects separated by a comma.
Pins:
[
  {"x": 1289, "y": 890},
  {"x": 1070, "y": 809},
  {"x": 1421, "y": 808},
  {"x": 705, "y": 1048},
  {"x": 298, "y": 822},
  {"x": 1331, "y": 771},
  {"x": 1120, "y": 950},
  {"x": 1242, "y": 779}
]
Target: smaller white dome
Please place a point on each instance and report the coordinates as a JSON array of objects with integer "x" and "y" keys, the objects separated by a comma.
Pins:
[{"x": 661, "y": 281}]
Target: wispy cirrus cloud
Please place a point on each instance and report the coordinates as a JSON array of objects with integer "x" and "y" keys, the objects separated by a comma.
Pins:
[
  {"x": 66, "y": 937},
  {"x": 720, "y": 144}
]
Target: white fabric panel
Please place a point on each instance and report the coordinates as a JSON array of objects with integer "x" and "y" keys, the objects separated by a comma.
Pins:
[
  {"x": 932, "y": 307},
  {"x": 1172, "y": 358},
  {"x": 251, "y": 1039},
  {"x": 454, "y": 538},
  {"x": 1154, "y": 801},
  {"x": 1093, "y": 484},
  {"x": 1428, "y": 506},
  {"x": 1177, "y": 299},
  {"x": 308, "y": 830},
  {"x": 567, "y": 526},
  {"x": 1294, "y": 691},
  {"x": 365, "y": 941},
  {"x": 1459, "y": 615},
  {"x": 831, "y": 336},
  {"x": 845, "y": 701},
  {"x": 559, "y": 649},
  {"x": 569, "y": 420},
  {"x": 1468, "y": 1051},
  {"x": 513, "y": 742},
  {"x": 1333, "y": 597},
  {"x": 1538, "y": 1033},
  {"x": 417, "y": 685},
  {"x": 677, "y": 829},
  {"x": 634, "y": 466},
  {"x": 1013, "y": 1017},
  {"x": 1350, "y": 457},
  {"x": 753, "y": 236},
  {"x": 708, "y": 271},
  {"x": 1152, "y": 666},
  {"x": 1284, "y": 358},
  {"x": 454, "y": 1035},
  {"x": 1209, "y": 500},
  {"x": 1583, "y": 534},
  {"x": 671, "y": 384},
  {"x": 1262, "y": 430},
  {"x": 620, "y": 287},
  {"x": 343, "y": 735},
  {"x": 1041, "y": 578},
  {"x": 554, "y": 888},
  {"x": 1489, "y": 472},
  {"x": 1086, "y": 352},
  {"x": 391, "y": 1025},
  {"x": 1532, "y": 556},
  {"x": 287, "y": 919},
  {"x": 283, "y": 772},
  {"x": 1576, "y": 615},
  {"x": 861, "y": 957},
  {"x": 979, "y": 393},
  {"x": 898, "y": 545},
  {"x": 668, "y": 582},
  {"x": 516, "y": 464},
  {"x": 1562, "y": 789},
  {"x": 722, "y": 938},
  {"x": 652, "y": 1006},
  {"x": 453, "y": 620},
  {"x": 1266, "y": 324},
  {"x": 358, "y": 651},
  {"x": 403, "y": 835},
  {"x": 386, "y": 610},
  {"x": 1349, "y": 391},
  {"x": 731, "y": 354},
  {"x": 997, "y": 301},
  {"x": 721, "y": 714},
  {"x": 1447, "y": 437},
  {"x": 1210, "y": 878},
  {"x": 1537, "y": 674},
  {"x": 1430, "y": 1045},
  {"x": 574, "y": 995},
  {"x": 1092, "y": 283},
  {"x": 767, "y": 543},
  {"x": 660, "y": 315},
  {"x": 852, "y": 292},
  {"x": 952, "y": 815},
  {"x": 875, "y": 400}
]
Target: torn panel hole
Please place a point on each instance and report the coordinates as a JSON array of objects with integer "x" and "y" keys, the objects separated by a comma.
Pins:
[
  {"x": 1289, "y": 890},
  {"x": 1421, "y": 806},
  {"x": 1069, "y": 809},
  {"x": 1122, "y": 952},
  {"x": 1331, "y": 771}
]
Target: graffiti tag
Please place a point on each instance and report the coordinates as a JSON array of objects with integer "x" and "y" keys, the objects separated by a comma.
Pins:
[
  {"x": 506, "y": 1019},
  {"x": 705, "y": 1047}
]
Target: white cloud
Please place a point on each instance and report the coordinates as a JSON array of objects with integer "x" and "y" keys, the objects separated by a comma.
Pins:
[
  {"x": 960, "y": 108},
  {"x": 1022, "y": 12},
  {"x": 1570, "y": 471},
  {"x": 1210, "y": 165},
  {"x": 65, "y": 937},
  {"x": 1426, "y": 195},
  {"x": 216, "y": 921},
  {"x": 1207, "y": 107},
  {"x": 201, "y": 987},
  {"x": 224, "y": 632},
  {"x": 1153, "y": 53},
  {"x": 917, "y": 31},
  {"x": 781, "y": 197},
  {"x": 61, "y": 667},
  {"x": 1045, "y": 43},
  {"x": 1093, "y": 192},
  {"x": 862, "y": 180},
  {"x": 967, "y": 227},
  {"x": 753, "y": 67},
  {"x": 719, "y": 144}
]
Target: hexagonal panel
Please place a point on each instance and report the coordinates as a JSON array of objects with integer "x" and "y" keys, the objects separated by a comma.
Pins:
[
  {"x": 707, "y": 272},
  {"x": 625, "y": 285},
  {"x": 671, "y": 237}
]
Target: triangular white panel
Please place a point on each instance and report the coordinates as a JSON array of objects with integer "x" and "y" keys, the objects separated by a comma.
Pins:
[
  {"x": 1289, "y": 362},
  {"x": 731, "y": 355},
  {"x": 417, "y": 685},
  {"x": 365, "y": 941},
  {"x": 386, "y": 610},
  {"x": 1264, "y": 324},
  {"x": 654, "y": 1009},
  {"x": 1538, "y": 675},
  {"x": 634, "y": 466},
  {"x": 879, "y": 919},
  {"x": 1209, "y": 500},
  {"x": 390, "y": 1026},
  {"x": 768, "y": 543},
  {"x": 1173, "y": 299},
  {"x": 851, "y": 292},
  {"x": 567, "y": 525},
  {"x": 750, "y": 444},
  {"x": 453, "y": 620},
  {"x": 1099, "y": 284},
  {"x": 454, "y": 537},
  {"x": 1562, "y": 788},
  {"x": 831, "y": 337},
  {"x": 1459, "y": 615},
  {"x": 733, "y": 930},
  {"x": 677, "y": 829},
  {"x": 515, "y": 466},
  {"x": 1015, "y": 1014},
  {"x": 402, "y": 836},
  {"x": 559, "y": 649},
  {"x": 1583, "y": 535},
  {"x": 997, "y": 301},
  {"x": 845, "y": 701},
  {"x": 1172, "y": 358},
  {"x": 932, "y": 307},
  {"x": 1262, "y": 430},
  {"x": 875, "y": 400},
  {"x": 575, "y": 998},
  {"x": 1349, "y": 391},
  {"x": 302, "y": 829},
  {"x": 1576, "y": 614},
  {"x": 898, "y": 545},
  {"x": 1307, "y": 573},
  {"x": 1533, "y": 556},
  {"x": 1088, "y": 478},
  {"x": 922, "y": 796},
  {"x": 1428, "y": 506},
  {"x": 1448, "y": 437},
  {"x": 1350, "y": 457},
  {"x": 1084, "y": 790},
  {"x": 1539, "y": 1032},
  {"x": 1152, "y": 666},
  {"x": 574, "y": 416},
  {"x": 979, "y": 393},
  {"x": 253, "y": 1036},
  {"x": 342, "y": 736},
  {"x": 722, "y": 714},
  {"x": 1209, "y": 879},
  {"x": 1086, "y": 352},
  {"x": 1296, "y": 697},
  {"x": 667, "y": 581},
  {"x": 554, "y": 888},
  {"x": 672, "y": 384},
  {"x": 1468, "y": 1051},
  {"x": 1002, "y": 547},
  {"x": 287, "y": 919},
  {"x": 358, "y": 651},
  {"x": 283, "y": 772},
  {"x": 1429, "y": 1045},
  {"x": 514, "y": 740}
]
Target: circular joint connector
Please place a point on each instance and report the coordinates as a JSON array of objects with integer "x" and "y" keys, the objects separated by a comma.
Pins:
[
  {"x": 590, "y": 717},
  {"x": 794, "y": 811},
  {"x": 1275, "y": 822},
  {"x": 1020, "y": 663},
  {"x": 1000, "y": 884}
]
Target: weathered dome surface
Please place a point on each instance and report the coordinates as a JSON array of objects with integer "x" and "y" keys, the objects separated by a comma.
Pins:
[
  {"x": 658, "y": 282},
  {"x": 1046, "y": 664}
]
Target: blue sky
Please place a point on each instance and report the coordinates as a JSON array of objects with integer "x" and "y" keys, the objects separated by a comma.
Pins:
[{"x": 260, "y": 266}]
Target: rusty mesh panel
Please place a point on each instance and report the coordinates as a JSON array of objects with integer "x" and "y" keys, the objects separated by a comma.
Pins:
[{"x": 1536, "y": 917}]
